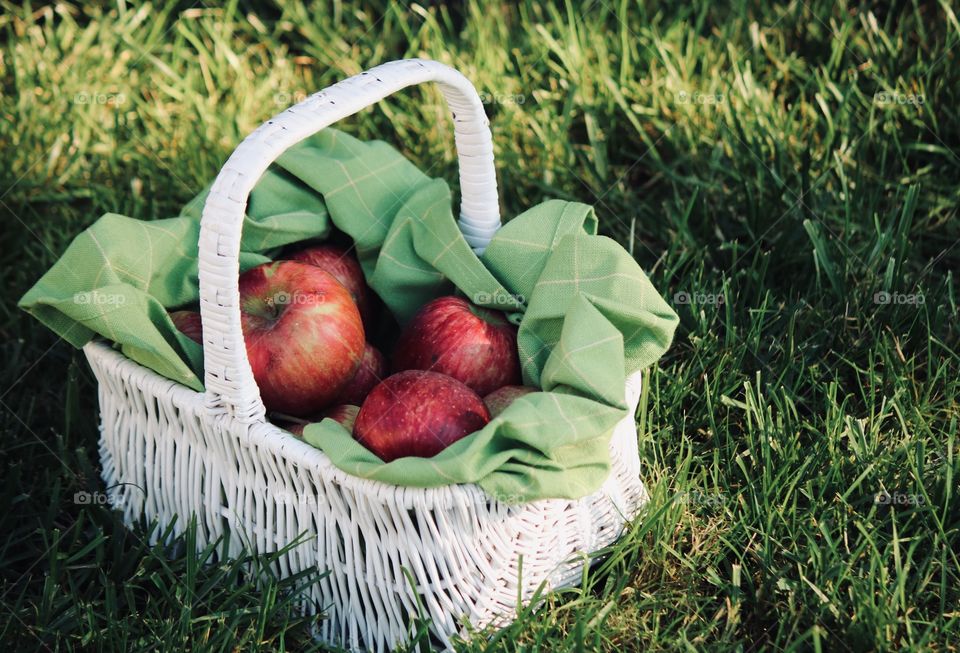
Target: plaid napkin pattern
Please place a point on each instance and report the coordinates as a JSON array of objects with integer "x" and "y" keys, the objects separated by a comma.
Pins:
[{"x": 587, "y": 314}]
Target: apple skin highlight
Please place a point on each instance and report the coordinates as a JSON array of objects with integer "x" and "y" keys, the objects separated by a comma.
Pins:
[
  {"x": 344, "y": 268},
  {"x": 476, "y": 346},
  {"x": 418, "y": 413},
  {"x": 303, "y": 334},
  {"x": 372, "y": 370}
]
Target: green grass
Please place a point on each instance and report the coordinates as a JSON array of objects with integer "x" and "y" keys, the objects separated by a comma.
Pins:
[{"x": 781, "y": 166}]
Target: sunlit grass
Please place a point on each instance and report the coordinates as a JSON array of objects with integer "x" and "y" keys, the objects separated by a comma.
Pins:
[{"x": 787, "y": 176}]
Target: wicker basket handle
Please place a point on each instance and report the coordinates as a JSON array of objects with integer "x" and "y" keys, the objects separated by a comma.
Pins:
[{"x": 229, "y": 380}]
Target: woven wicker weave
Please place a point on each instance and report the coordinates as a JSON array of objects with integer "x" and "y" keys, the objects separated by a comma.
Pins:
[{"x": 168, "y": 451}]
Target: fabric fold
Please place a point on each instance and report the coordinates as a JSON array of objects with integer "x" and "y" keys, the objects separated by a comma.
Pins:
[{"x": 588, "y": 316}]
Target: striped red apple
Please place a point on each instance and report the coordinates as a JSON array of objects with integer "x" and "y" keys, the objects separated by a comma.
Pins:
[
  {"x": 474, "y": 345},
  {"x": 418, "y": 413},
  {"x": 303, "y": 335}
]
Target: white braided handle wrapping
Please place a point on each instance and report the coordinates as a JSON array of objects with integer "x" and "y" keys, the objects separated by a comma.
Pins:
[{"x": 229, "y": 380}]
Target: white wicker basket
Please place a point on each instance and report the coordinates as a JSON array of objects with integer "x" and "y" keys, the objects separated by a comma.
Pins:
[{"x": 168, "y": 451}]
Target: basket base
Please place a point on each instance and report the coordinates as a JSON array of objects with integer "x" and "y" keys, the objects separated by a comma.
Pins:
[{"x": 394, "y": 557}]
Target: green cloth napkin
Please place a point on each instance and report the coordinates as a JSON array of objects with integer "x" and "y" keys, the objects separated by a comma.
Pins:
[{"x": 587, "y": 314}]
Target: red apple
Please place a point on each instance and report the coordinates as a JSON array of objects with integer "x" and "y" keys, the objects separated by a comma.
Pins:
[
  {"x": 294, "y": 427},
  {"x": 451, "y": 336},
  {"x": 372, "y": 370},
  {"x": 343, "y": 413},
  {"x": 345, "y": 269},
  {"x": 188, "y": 323},
  {"x": 418, "y": 413},
  {"x": 346, "y": 414},
  {"x": 303, "y": 335},
  {"x": 498, "y": 400}
]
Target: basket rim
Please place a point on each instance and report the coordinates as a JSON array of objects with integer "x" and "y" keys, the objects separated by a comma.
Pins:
[{"x": 306, "y": 456}]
